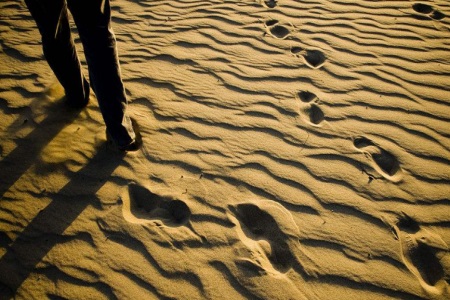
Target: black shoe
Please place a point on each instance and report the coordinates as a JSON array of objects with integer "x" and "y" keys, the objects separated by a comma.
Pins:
[
  {"x": 77, "y": 103},
  {"x": 132, "y": 146}
]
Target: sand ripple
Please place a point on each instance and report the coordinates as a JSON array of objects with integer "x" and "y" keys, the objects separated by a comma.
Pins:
[{"x": 292, "y": 150}]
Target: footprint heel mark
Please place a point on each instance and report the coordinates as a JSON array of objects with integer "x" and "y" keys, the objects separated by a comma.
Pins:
[
  {"x": 176, "y": 210},
  {"x": 420, "y": 251},
  {"x": 316, "y": 115},
  {"x": 141, "y": 206},
  {"x": 386, "y": 163},
  {"x": 437, "y": 15},
  {"x": 262, "y": 232},
  {"x": 314, "y": 58}
]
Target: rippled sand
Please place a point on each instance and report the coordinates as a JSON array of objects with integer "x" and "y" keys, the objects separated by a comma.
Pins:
[{"x": 292, "y": 150}]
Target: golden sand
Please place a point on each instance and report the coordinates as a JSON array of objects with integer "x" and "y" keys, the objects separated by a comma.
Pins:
[{"x": 292, "y": 150}]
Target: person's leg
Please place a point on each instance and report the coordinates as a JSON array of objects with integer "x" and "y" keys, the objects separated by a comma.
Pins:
[
  {"x": 93, "y": 20},
  {"x": 59, "y": 50}
]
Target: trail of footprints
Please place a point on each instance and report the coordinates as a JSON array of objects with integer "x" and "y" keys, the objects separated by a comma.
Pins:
[
  {"x": 421, "y": 250},
  {"x": 386, "y": 163},
  {"x": 268, "y": 230},
  {"x": 313, "y": 58}
]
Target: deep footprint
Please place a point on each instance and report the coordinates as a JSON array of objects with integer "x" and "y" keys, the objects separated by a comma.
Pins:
[
  {"x": 145, "y": 205},
  {"x": 314, "y": 58},
  {"x": 316, "y": 115},
  {"x": 419, "y": 248},
  {"x": 437, "y": 15},
  {"x": 422, "y": 8},
  {"x": 270, "y": 3},
  {"x": 428, "y": 10},
  {"x": 278, "y": 31},
  {"x": 387, "y": 162},
  {"x": 260, "y": 225}
]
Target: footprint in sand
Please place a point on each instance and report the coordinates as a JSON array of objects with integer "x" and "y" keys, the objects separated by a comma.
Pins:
[
  {"x": 427, "y": 11},
  {"x": 314, "y": 59},
  {"x": 268, "y": 3},
  {"x": 140, "y": 205},
  {"x": 267, "y": 229},
  {"x": 310, "y": 107},
  {"x": 385, "y": 163},
  {"x": 276, "y": 30},
  {"x": 316, "y": 115},
  {"x": 421, "y": 252}
]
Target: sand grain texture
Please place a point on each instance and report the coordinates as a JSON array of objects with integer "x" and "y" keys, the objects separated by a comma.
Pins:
[{"x": 292, "y": 150}]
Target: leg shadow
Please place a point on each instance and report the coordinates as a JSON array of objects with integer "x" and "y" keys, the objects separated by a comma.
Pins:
[
  {"x": 28, "y": 148},
  {"x": 31, "y": 246}
]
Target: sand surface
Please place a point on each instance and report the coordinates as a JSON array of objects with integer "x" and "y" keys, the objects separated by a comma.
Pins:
[{"x": 292, "y": 150}]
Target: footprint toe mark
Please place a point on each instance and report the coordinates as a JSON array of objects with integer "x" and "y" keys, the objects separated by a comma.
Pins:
[
  {"x": 362, "y": 142},
  {"x": 296, "y": 50},
  {"x": 270, "y": 23},
  {"x": 306, "y": 96}
]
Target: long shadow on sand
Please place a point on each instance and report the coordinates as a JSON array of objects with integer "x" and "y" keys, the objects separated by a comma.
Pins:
[
  {"x": 16, "y": 163},
  {"x": 33, "y": 244}
]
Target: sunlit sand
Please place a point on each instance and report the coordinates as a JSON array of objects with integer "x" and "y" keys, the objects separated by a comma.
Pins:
[{"x": 291, "y": 150}]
